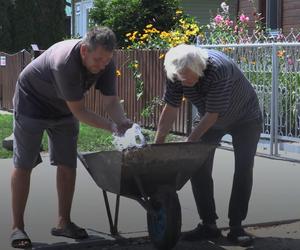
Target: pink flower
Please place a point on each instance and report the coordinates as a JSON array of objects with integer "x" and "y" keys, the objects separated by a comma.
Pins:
[
  {"x": 218, "y": 19},
  {"x": 244, "y": 19},
  {"x": 290, "y": 61},
  {"x": 236, "y": 28},
  {"x": 280, "y": 37},
  {"x": 228, "y": 22}
]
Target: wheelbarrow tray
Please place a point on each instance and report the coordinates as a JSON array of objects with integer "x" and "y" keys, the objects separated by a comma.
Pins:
[{"x": 154, "y": 165}]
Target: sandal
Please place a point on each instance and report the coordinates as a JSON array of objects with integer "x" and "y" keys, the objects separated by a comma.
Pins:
[
  {"x": 70, "y": 230},
  {"x": 20, "y": 239}
]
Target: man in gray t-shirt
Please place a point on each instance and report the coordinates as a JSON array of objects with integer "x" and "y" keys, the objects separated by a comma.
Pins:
[{"x": 49, "y": 96}]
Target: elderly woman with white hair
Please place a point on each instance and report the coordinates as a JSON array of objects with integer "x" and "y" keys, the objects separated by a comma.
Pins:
[{"x": 226, "y": 104}]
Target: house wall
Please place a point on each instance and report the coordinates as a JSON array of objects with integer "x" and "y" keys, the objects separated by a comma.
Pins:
[
  {"x": 290, "y": 12},
  {"x": 205, "y": 9},
  {"x": 291, "y": 15}
]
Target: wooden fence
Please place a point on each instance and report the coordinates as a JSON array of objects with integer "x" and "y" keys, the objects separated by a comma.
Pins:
[
  {"x": 153, "y": 76},
  {"x": 10, "y": 68}
]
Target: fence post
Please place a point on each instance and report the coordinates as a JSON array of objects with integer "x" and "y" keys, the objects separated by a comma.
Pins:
[{"x": 274, "y": 102}]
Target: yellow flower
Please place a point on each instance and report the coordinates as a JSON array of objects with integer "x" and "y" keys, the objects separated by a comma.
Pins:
[
  {"x": 164, "y": 34},
  {"x": 144, "y": 36},
  {"x": 128, "y": 34},
  {"x": 161, "y": 56},
  {"x": 280, "y": 53},
  {"x": 136, "y": 65},
  {"x": 178, "y": 12},
  {"x": 118, "y": 73},
  {"x": 149, "y": 26},
  {"x": 181, "y": 21},
  {"x": 228, "y": 50},
  {"x": 153, "y": 30}
]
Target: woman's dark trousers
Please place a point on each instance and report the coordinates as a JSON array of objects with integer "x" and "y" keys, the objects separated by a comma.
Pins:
[{"x": 245, "y": 138}]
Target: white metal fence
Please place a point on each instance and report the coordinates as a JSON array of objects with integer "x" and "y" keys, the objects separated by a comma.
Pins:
[{"x": 274, "y": 70}]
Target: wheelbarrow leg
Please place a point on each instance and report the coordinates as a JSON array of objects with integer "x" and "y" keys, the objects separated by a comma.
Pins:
[{"x": 112, "y": 224}]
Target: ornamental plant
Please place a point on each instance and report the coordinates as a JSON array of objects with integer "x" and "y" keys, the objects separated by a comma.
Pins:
[
  {"x": 223, "y": 30},
  {"x": 184, "y": 31}
]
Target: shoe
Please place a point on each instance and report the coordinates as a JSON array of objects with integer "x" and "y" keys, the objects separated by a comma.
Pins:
[
  {"x": 70, "y": 230},
  {"x": 240, "y": 237},
  {"x": 202, "y": 232}
]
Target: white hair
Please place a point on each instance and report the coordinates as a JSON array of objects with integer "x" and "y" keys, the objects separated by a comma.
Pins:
[{"x": 185, "y": 56}]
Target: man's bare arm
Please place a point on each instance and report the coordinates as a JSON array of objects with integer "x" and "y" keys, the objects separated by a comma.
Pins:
[
  {"x": 166, "y": 120},
  {"x": 83, "y": 115},
  {"x": 114, "y": 108}
]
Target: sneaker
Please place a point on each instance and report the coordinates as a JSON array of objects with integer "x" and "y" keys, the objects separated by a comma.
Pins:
[
  {"x": 202, "y": 232},
  {"x": 240, "y": 237}
]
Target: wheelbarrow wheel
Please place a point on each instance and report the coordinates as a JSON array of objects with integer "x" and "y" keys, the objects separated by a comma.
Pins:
[{"x": 164, "y": 221}]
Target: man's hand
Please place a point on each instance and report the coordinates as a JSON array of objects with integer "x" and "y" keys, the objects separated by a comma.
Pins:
[
  {"x": 205, "y": 123},
  {"x": 123, "y": 126}
]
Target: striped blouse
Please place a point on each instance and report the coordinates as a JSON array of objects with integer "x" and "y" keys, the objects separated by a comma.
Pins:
[{"x": 223, "y": 89}]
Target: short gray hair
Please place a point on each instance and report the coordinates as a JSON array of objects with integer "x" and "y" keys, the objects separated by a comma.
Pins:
[
  {"x": 100, "y": 36},
  {"x": 185, "y": 56}
]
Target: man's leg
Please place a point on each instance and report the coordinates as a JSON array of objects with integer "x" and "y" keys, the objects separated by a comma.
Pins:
[
  {"x": 20, "y": 183},
  {"x": 245, "y": 139},
  {"x": 27, "y": 139},
  {"x": 65, "y": 183},
  {"x": 203, "y": 190},
  {"x": 63, "y": 136}
]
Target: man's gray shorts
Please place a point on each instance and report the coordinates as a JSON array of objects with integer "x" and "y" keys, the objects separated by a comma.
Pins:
[{"x": 62, "y": 141}]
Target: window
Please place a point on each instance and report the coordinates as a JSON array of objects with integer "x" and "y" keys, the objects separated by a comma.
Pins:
[{"x": 273, "y": 17}]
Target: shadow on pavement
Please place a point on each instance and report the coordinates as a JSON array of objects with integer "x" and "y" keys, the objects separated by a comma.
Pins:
[{"x": 144, "y": 244}]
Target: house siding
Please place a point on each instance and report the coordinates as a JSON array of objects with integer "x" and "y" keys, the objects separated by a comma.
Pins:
[
  {"x": 205, "y": 9},
  {"x": 291, "y": 14},
  {"x": 246, "y": 7}
]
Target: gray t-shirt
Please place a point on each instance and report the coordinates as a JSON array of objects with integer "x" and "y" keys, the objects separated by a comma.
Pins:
[{"x": 55, "y": 77}]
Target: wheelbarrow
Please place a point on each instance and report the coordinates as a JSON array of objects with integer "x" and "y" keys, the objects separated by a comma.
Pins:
[{"x": 151, "y": 175}]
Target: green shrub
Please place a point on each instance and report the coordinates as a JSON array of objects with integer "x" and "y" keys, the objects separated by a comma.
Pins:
[
  {"x": 125, "y": 16},
  {"x": 5, "y": 26}
]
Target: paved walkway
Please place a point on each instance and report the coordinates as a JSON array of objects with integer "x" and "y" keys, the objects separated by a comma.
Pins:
[
  {"x": 278, "y": 237},
  {"x": 275, "y": 197}
]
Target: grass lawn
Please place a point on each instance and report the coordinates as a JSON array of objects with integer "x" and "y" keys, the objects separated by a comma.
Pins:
[
  {"x": 5, "y": 130},
  {"x": 90, "y": 139}
]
